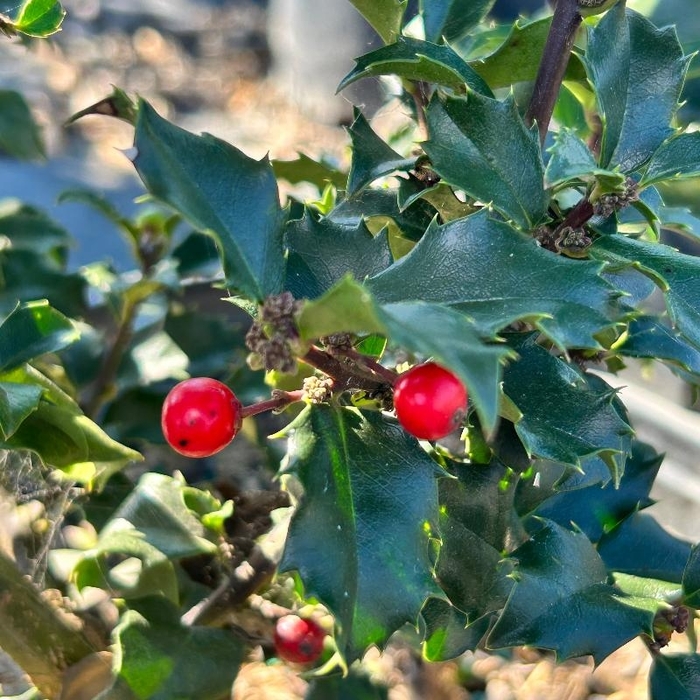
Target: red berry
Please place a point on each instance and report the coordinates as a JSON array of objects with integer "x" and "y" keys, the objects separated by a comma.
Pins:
[
  {"x": 298, "y": 640},
  {"x": 430, "y": 401},
  {"x": 200, "y": 417}
]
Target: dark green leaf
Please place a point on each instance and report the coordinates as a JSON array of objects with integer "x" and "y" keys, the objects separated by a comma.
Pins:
[
  {"x": 678, "y": 275},
  {"x": 31, "y": 330},
  {"x": 161, "y": 659},
  {"x": 518, "y": 57},
  {"x": 418, "y": 60},
  {"x": 691, "y": 579},
  {"x": 447, "y": 633},
  {"x": 17, "y": 401},
  {"x": 638, "y": 72},
  {"x": 354, "y": 686},
  {"x": 476, "y": 524},
  {"x": 567, "y": 415},
  {"x": 31, "y": 230},
  {"x": 39, "y": 18},
  {"x": 452, "y": 19},
  {"x": 675, "y": 677},
  {"x": 220, "y": 190},
  {"x": 372, "y": 157},
  {"x": 20, "y": 136},
  {"x": 322, "y": 252},
  {"x": 385, "y": 16},
  {"x": 595, "y": 510},
  {"x": 676, "y": 158},
  {"x": 305, "y": 169},
  {"x": 680, "y": 220},
  {"x": 560, "y": 578},
  {"x": 482, "y": 146},
  {"x": 496, "y": 284},
  {"x": 372, "y": 518},
  {"x": 640, "y": 546}
]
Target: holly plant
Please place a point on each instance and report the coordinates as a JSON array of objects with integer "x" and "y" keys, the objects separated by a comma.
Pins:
[{"x": 429, "y": 339}]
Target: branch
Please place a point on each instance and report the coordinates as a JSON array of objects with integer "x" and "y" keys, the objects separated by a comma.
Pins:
[{"x": 555, "y": 58}]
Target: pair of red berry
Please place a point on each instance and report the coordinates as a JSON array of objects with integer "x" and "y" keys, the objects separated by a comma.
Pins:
[{"x": 201, "y": 415}]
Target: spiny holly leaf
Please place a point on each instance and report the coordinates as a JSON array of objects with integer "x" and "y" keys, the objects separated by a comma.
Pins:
[
  {"x": 322, "y": 252},
  {"x": 567, "y": 415},
  {"x": 220, "y": 190},
  {"x": 414, "y": 59},
  {"x": 691, "y": 579},
  {"x": 572, "y": 159},
  {"x": 482, "y": 146},
  {"x": 447, "y": 634},
  {"x": 452, "y": 19},
  {"x": 678, "y": 275},
  {"x": 39, "y": 18},
  {"x": 518, "y": 57},
  {"x": 31, "y": 330},
  {"x": 477, "y": 522},
  {"x": 306, "y": 169},
  {"x": 649, "y": 338},
  {"x": 370, "y": 516},
  {"x": 385, "y": 16},
  {"x": 677, "y": 158},
  {"x": 496, "y": 284},
  {"x": 559, "y": 579},
  {"x": 675, "y": 677},
  {"x": 595, "y": 510},
  {"x": 638, "y": 72},
  {"x": 372, "y": 157},
  {"x": 640, "y": 546},
  {"x": 20, "y": 136},
  {"x": 161, "y": 659}
]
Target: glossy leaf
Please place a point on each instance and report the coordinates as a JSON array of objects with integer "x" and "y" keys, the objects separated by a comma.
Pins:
[
  {"x": 677, "y": 274},
  {"x": 372, "y": 518},
  {"x": 637, "y": 71},
  {"x": 161, "y": 659},
  {"x": 691, "y": 579},
  {"x": 31, "y": 230},
  {"x": 675, "y": 677},
  {"x": 640, "y": 546},
  {"x": 566, "y": 299},
  {"x": 414, "y": 59},
  {"x": 372, "y": 157},
  {"x": 482, "y": 146},
  {"x": 452, "y": 19},
  {"x": 566, "y": 415},
  {"x": 385, "y": 16},
  {"x": 220, "y": 190},
  {"x": 561, "y": 600},
  {"x": 677, "y": 158},
  {"x": 322, "y": 252},
  {"x": 31, "y": 330},
  {"x": 17, "y": 401},
  {"x": 39, "y": 18},
  {"x": 447, "y": 633},
  {"x": 20, "y": 136}
]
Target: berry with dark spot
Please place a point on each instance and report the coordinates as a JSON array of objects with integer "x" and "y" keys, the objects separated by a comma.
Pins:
[{"x": 298, "y": 640}]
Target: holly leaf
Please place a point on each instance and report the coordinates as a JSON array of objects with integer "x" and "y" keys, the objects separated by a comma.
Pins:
[
  {"x": 482, "y": 146},
  {"x": 675, "y": 677},
  {"x": 676, "y": 159},
  {"x": 566, "y": 299},
  {"x": 372, "y": 157},
  {"x": 20, "y": 136},
  {"x": 641, "y": 547},
  {"x": 221, "y": 191},
  {"x": 356, "y": 685},
  {"x": 584, "y": 421},
  {"x": 306, "y": 169},
  {"x": 414, "y": 59},
  {"x": 376, "y": 574},
  {"x": 385, "y": 16},
  {"x": 159, "y": 658},
  {"x": 17, "y": 401},
  {"x": 476, "y": 524},
  {"x": 677, "y": 274},
  {"x": 595, "y": 510},
  {"x": 559, "y": 574},
  {"x": 447, "y": 634},
  {"x": 39, "y": 18},
  {"x": 691, "y": 579},
  {"x": 450, "y": 20},
  {"x": 637, "y": 71},
  {"x": 322, "y": 252}
]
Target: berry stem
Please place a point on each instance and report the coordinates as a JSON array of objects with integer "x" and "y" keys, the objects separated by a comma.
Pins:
[
  {"x": 555, "y": 58},
  {"x": 374, "y": 367},
  {"x": 279, "y": 400}
]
